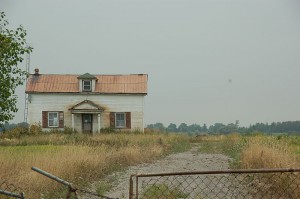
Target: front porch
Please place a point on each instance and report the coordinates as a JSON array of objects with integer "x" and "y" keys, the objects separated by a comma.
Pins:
[{"x": 86, "y": 117}]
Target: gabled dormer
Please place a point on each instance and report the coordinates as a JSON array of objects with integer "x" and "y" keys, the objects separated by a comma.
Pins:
[{"x": 87, "y": 82}]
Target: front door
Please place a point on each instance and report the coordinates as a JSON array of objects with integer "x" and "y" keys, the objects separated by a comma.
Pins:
[{"x": 87, "y": 122}]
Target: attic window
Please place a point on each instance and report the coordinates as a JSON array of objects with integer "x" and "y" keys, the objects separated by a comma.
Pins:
[{"x": 86, "y": 85}]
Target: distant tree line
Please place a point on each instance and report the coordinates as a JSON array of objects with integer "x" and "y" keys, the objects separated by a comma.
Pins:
[
  {"x": 220, "y": 128},
  {"x": 291, "y": 127}
]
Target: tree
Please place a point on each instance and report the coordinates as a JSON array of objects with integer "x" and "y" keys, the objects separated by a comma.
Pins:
[
  {"x": 195, "y": 128},
  {"x": 12, "y": 49},
  {"x": 157, "y": 126},
  {"x": 216, "y": 128},
  {"x": 183, "y": 127},
  {"x": 172, "y": 128},
  {"x": 204, "y": 128}
]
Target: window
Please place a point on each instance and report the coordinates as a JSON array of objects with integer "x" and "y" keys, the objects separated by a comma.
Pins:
[
  {"x": 87, "y": 85},
  {"x": 53, "y": 119},
  {"x": 120, "y": 120}
]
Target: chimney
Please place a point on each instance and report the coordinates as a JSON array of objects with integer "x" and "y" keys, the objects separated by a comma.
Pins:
[{"x": 36, "y": 71}]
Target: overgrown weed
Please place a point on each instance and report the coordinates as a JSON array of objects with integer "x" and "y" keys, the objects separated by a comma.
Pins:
[
  {"x": 256, "y": 151},
  {"x": 78, "y": 158}
]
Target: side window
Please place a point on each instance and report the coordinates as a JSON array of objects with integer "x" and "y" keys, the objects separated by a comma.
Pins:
[
  {"x": 120, "y": 120},
  {"x": 53, "y": 119},
  {"x": 86, "y": 85}
]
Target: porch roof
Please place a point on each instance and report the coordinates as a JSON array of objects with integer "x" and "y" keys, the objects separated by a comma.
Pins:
[{"x": 86, "y": 106}]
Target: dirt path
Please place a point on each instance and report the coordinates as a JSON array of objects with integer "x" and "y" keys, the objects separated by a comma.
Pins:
[{"x": 191, "y": 160}]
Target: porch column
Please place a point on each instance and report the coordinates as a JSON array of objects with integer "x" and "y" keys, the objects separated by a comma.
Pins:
[
  {"x": 73, "y": 128},
  {"x": 99, "y": 126}
]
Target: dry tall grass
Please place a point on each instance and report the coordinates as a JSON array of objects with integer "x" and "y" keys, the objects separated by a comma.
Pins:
[
  {"x": 78, "y": 159},
  {"x": 269, "y": 152},
  {"x": 259, "y": 152},
  {"x": 253, "y": 152}
]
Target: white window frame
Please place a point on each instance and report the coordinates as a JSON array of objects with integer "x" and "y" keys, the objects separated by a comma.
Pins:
[
  {"x": 84, "y": 86},
  {"x": 54, "y": 119},
  {"x": 117, "y": 122}
]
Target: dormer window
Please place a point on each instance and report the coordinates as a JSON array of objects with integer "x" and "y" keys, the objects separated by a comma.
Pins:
[
  {"x": 86, "y": 85},
  {"x": 87, "y": 82}
]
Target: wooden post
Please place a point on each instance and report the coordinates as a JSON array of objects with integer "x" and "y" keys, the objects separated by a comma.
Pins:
[
  {"x": 99, "y": 120},
  {"x": 73, "y": 128}
]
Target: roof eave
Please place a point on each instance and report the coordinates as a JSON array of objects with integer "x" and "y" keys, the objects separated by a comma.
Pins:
[{"x": 85, "y": 93}]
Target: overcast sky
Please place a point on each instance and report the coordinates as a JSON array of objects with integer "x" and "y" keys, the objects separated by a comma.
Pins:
[{"x": 208, "y": 60}]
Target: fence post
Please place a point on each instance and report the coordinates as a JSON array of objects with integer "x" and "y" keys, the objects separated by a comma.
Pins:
[
  {"x": 131, "y": 187},
  {"x": 137, "y": 186}
]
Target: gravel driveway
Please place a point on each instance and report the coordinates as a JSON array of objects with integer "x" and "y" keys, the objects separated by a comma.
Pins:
[{"x": 191, "y": 160}]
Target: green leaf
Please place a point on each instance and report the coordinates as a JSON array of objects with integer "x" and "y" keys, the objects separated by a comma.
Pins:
[{"x": 12, "y": 50}]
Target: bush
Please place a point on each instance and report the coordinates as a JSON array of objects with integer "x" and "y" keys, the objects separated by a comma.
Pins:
[
  {"x": 15, "y": 132},
  {"x": 35, "y": 129},
  {"x": 69, "y": 130}
]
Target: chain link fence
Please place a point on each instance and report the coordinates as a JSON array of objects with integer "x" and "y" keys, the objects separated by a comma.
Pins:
[
  {"x": 263, "y": 183},
  {"x": 8, "y": 190}
]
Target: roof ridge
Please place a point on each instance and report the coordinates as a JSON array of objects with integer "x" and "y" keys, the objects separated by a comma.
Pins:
[{"x": 95, "y": 74}]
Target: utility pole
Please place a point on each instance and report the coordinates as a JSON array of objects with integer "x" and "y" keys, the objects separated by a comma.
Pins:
[{"x": 26, "y": 95}]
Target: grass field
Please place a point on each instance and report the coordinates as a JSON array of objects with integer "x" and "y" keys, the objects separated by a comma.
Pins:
[
  {"x": 258, "y": 152},
  {"x": 79, "y": 159},
  {"x": 254, "y": 152},
  {"x": 83, "y": 159}
]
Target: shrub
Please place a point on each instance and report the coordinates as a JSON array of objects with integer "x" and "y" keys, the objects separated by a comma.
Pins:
[
  {"x": 35, "y": 129},
  {"x": 15, "y": 132},
  {"x": 69, "y": 130},
  {"x": 108, "y": 130}
]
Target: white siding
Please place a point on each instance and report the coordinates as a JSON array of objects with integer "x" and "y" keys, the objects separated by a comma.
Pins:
[{"x": 110, "y": 103}]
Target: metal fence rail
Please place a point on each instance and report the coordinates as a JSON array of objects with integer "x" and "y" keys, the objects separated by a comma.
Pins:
[
  {"x": 71, "y": 188},
  {"x": 255, "y": 183},
  {"x": 10, "y": 190}
]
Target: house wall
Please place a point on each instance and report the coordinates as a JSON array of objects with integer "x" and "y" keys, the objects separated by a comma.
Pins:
[{"x": 110, "y": 103}]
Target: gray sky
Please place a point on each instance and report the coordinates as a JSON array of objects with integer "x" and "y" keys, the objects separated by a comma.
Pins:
[{"x": 208, "y": 60}]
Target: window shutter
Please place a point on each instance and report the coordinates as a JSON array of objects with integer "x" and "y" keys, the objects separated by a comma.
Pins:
[
  {"x": 44, "y": 119},
  {"x": 112, "y": 119},
  {"x": 128, "y": 120},
  {"x": 61, "y": 119}
]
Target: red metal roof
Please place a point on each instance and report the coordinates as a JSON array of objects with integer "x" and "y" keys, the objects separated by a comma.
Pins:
[{"x": 115, "y": 84}]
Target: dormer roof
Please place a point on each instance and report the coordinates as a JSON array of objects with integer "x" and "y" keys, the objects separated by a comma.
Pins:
[{"x": 87, "y": 76}]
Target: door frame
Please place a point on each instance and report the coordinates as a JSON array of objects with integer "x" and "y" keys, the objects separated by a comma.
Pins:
[{"x": 82, "y": 122}]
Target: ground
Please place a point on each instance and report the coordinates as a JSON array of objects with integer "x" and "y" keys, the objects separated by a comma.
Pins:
[{"x": 191, "y": 160}]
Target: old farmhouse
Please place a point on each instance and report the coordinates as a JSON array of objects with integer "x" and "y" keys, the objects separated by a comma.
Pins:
[{"x": 87, "y": 103}]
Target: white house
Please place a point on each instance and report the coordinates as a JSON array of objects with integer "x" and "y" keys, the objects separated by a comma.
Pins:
[{"x": 87, "y": 102}]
